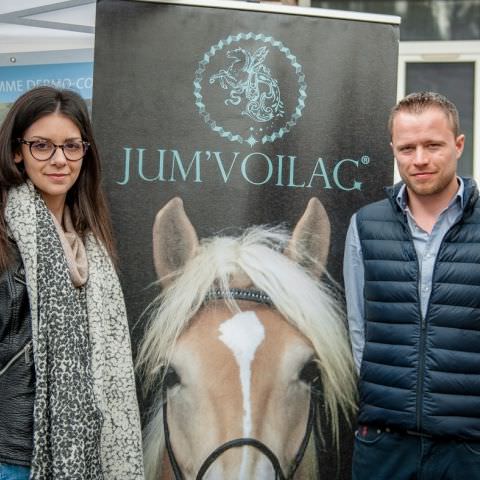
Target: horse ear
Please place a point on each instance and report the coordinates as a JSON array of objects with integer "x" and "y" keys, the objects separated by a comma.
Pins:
[
  {"x": 311, "y": 236},
  {"x": 174, "y": 239}
]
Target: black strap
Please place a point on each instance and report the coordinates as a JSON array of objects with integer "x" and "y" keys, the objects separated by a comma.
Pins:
[
  {"x": 311, "y": 424},
  {"x": 168, "y": 445}
]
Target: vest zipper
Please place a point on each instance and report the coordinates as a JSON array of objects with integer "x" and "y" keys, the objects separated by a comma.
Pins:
[
  {"x": 422, "y": 338},
  {"x": 421, "y": 341},
  {"x": 423, "y": 326},
  {"x": 26, "y": 350},
  {"x": 423, "y": 320},
  {"x": 421, "y": 367},
  {"x": 421, "y": 345}
]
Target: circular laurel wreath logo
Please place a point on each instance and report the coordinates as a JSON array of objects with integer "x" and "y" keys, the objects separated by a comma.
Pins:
[{"x": 253, "y": 86}]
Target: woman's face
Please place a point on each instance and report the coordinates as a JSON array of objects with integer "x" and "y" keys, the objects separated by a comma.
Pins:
[{"x": 56, "y": 176}]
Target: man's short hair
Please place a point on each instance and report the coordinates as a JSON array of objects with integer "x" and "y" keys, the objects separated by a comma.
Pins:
[{"x": 418, "y": 102}]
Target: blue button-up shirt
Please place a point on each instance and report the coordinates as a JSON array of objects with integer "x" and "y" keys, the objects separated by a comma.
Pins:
[{"x": 426, "y": 245}]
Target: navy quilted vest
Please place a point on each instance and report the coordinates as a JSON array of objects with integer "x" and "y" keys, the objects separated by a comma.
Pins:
[{"x": 416, "y": 374}]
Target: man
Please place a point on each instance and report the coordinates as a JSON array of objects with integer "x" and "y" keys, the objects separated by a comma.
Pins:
[{"x": 412, "y": 281}]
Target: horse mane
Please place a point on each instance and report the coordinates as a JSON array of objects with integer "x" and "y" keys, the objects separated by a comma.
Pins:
[{"x": 304, "y": 301}]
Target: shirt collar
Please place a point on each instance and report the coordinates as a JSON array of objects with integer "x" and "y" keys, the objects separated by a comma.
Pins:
[{"x": 402, "y": 196}]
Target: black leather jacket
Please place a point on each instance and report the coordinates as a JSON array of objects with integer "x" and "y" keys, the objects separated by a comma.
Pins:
[{"x": 17, "y": 375}]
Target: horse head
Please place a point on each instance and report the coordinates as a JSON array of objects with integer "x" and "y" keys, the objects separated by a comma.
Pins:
[
  {"x": 236, "y": 74},
  {"x": 240, "y": 56},
  {"x": 248, "y": 345}
]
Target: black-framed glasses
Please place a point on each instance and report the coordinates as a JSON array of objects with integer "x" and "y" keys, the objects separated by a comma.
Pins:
[{"x": 43, "y": 150}]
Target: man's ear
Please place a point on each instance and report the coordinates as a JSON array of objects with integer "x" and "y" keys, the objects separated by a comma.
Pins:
[{"x": 459, "y": 145}]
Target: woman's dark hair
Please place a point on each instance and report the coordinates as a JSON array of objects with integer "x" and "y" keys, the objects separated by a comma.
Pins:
[{"x": 86, "y": 198}]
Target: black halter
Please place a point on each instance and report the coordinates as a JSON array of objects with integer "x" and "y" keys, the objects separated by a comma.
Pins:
[{"x": 259, "y": 297}]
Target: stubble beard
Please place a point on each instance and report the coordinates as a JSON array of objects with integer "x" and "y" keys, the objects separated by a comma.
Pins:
[{"x": 438, "y": 186}]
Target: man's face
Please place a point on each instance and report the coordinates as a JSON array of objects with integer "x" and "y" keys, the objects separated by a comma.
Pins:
[{"x": 426, "y": 151}]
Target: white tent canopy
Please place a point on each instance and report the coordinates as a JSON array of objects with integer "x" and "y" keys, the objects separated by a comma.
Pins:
[{"x": 29, "y": 26}]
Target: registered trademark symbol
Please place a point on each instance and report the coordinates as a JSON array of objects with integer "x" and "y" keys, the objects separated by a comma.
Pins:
[{"x": 365, "y": 160}]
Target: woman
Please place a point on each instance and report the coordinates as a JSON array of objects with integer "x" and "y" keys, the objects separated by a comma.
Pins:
[{"x": 68, "y": 407}]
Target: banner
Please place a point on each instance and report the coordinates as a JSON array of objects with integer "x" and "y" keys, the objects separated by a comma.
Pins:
[
  {"x": 243, "y": 111},
  {"x": 16, "y": 80}
]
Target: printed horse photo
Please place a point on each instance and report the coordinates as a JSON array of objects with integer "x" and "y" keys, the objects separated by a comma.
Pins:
[{"x": 248, "y": 350}]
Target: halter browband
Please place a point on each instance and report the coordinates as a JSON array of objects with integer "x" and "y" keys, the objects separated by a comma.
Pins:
[{"x": 250, "y": 294}]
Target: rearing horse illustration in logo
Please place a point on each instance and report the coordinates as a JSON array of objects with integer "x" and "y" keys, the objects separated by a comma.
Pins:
[{"x": 249, "y": 79}]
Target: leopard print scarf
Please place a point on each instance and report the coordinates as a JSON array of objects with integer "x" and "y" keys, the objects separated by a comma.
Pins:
[{"x": 86, "y": 422}]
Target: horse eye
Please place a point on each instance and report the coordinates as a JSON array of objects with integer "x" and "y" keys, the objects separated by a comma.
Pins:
[
  {"x": 309, "y": 373},
  {"x": 171, "y": 378}
]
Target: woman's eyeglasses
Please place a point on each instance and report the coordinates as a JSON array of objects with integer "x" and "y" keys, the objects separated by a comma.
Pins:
[{"x": 43, "y": 150}]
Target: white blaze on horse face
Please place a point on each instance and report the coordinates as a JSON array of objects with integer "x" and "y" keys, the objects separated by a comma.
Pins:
[{"x": 242, "y": 334}]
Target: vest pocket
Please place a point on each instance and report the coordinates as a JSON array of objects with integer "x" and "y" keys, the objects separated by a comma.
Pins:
[
  {"x": 472, "y": 447},
  {"x": 368, "y": 436}
]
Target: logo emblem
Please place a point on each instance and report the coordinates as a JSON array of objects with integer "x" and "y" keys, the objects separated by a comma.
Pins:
[{"x": 249, "y": 88}]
